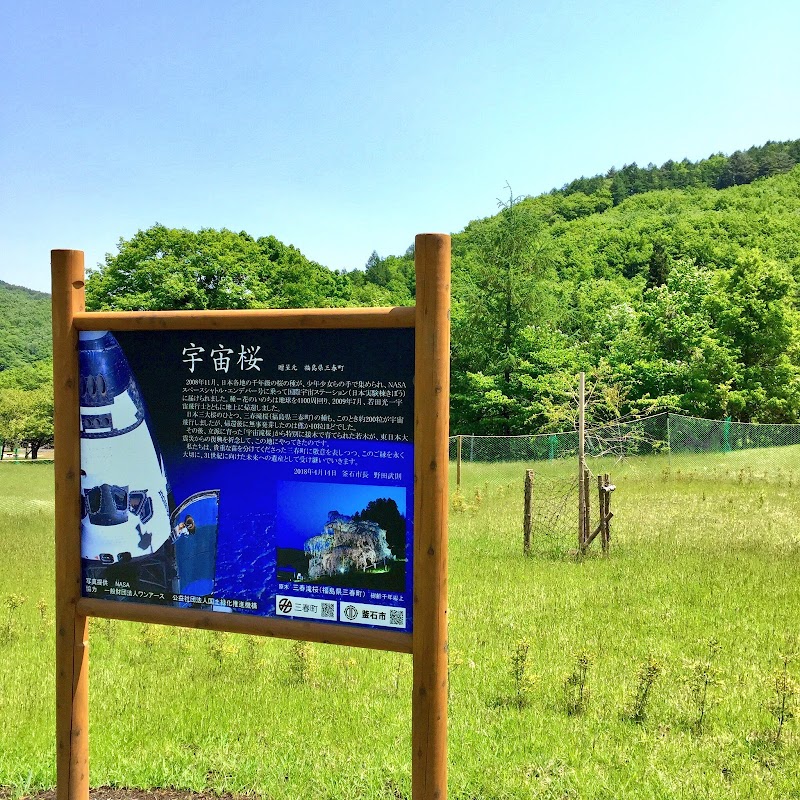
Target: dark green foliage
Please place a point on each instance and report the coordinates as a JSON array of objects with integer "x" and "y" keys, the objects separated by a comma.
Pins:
[
  {"x": 384, "y": 511},
  {"x": 498, "y": 283},
  {"x": 386, "y": 281},
  {"x": 715, "y": 172},
  {"x": 683, "y": 300}
]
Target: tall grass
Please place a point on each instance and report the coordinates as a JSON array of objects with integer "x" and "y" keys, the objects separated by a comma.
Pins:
[{"x": 703, "y": 547}]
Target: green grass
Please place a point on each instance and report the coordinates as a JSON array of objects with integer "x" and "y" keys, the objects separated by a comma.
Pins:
[{"x": 702, "y": 547}]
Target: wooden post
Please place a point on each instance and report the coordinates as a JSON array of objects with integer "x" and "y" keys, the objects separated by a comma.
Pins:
[
  {"x": 669, "y": 444},
  {"x": 72, "y": 646},
  {"x": 606, "y": 513},
  {"x": 582, "y": 498},
  {"x": 431, "y": 422},
  {"x": 587, "y": 508},
  {"x": 526, "y": 523},
  {"x": 601, "y": 505},
  {"x": 459, "y": 442}
]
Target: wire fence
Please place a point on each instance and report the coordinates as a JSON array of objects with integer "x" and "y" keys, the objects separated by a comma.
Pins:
[
  {"x": 655, "y": 447},
  {"x": 661, "y": 434}
]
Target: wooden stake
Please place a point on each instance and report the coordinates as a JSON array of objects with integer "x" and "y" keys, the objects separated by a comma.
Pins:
[
  {"x": 431, "y": 421},
  {"x": 606, "y": 513},
  {"x": 587, "y": 525},
  {"x": 582, "y": 498},
  {"x": 72, "y": 646},
  {"x": 526, "y": 523},
  {"x": 459, "y": 442}
]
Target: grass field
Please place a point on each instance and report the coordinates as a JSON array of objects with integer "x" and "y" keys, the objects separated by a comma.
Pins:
[{"x": 703, "y": 547}]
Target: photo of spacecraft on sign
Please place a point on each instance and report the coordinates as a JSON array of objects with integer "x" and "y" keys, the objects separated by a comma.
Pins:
[{"x": 130, "y": 528}]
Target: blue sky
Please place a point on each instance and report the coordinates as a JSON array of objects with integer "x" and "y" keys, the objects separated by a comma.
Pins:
[{"x": 343, "y": 127}]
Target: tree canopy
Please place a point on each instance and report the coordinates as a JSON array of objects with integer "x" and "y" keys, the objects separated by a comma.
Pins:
[{"x": 168, "y": 268}]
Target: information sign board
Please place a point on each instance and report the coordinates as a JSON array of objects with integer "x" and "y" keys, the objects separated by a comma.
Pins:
[
  {"x": 262, "y": 472},
  {"x": 280, "y": 473}
]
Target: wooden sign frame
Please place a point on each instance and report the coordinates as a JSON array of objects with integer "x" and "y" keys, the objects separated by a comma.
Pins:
[{"x": 427, "y": 643}]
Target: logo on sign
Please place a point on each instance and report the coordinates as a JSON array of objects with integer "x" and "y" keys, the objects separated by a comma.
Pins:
[
  {"x": 351, "y": 612},
  {"x": 285, "y": 605}
]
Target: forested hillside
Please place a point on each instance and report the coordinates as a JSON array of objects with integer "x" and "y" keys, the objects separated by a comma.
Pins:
[
  {"x": 24, "y": 326},
  {"x": 674, "y": 299},
  {"x": 674, "y": 287},
  {"x": 682, "y": 298}
]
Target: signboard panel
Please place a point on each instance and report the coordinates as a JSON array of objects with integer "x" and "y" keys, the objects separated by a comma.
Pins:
[{"x": 262, "y": 472}]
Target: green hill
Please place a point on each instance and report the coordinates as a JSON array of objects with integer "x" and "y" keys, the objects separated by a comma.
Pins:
[{"x": 25, "y": 327}]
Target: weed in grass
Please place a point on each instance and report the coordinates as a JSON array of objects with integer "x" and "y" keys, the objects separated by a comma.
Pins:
[
  {"x": 782, "y": 703},
  {"x": 45, "y": 620},
  {"x": 9, "y": 628},
  {"x": 645, "y": 680},
  {"x": 521, "y": 674},
  {"x": 105, "y": 629},
  {"x": 681, "y": 570},
  {"x": 351, "y": 673},
  {"x": 457, "y": 502},
  {"x": 303, "y": 667},
  {"x": 576, "y": 684},
  {"x": 522, "y": 679},
  {"x": 251, "y": 646},
  {"x": 180, "y": 639},
  {"x": 454, "y": 661},
  {"x": 459, "y": 505},
  {"x": 220, "y": 646},
  {"x": 554, "y": 780},
  {"x": 700, "y": 676},
  {"x": 151, "y": 635},
  {"x": 393, "y": 791},
  {"x": 398, "y": 670}
]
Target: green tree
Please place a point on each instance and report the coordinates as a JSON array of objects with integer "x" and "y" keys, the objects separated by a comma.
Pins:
[
  {"x": 498, "y": 282},
  {"x": 26, "y": 418},
  {"x": 758, "y": 319},
  {"x": 740, "y": 169},
  {"x": 26, "y": 407},
  {"x": 164, "y": 268}
]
